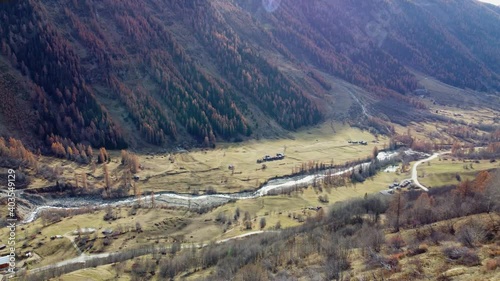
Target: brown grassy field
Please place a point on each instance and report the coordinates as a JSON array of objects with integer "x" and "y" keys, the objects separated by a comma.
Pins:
[
  {"x": 429, "y": 265},
  {"x": 163, "y": 226},
  {"x": 200, "y": 169},
  {"x": 444, "y": 170}
]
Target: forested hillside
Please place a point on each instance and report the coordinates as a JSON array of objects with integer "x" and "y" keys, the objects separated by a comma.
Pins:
[{"x": 163, "y": 72}]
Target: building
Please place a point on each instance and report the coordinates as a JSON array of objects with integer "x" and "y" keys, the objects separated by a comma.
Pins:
[
  {"x": 4, "y": 262},
  {"x": 83, "y": 231},
  {"x": 268, "y": 158},
  {"x": 107, "y": 231}
]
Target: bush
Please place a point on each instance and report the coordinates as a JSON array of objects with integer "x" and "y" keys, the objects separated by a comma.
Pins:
[
  {"x": 278, "y": 225},
  {"x": 492, "y": 264},
  {"x": 417, "y": 250},
  {"x": 109, "y": 215},
  {"x": 471, "y": 234},
  {"x": 436, "y": 236},
  {"x": 210, "y": 190},
  {"x": 375, "y": 260},
  {"x": 248, "y": 225},
  {"x": 462, "y": 255},
  {"x": 221, "y": 217},
  {"x": 323, "y": 199},
  {"x": 396, "y": 242},
  {"x": 133, "y": 211}
]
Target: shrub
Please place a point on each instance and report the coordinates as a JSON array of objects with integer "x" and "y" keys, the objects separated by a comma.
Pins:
[
  {"x": 492, "y": 264},
  {"x": 462, "y": 255},
  {"x": 375, "y": 260},
  {"x": 444, "y": 278},
  {"x": 210, "y": 190},
  {"x": 396, "y": 242},
  {"x": 221, "y": 217},
  {"x": 323, "y": 199},
  {"x": 471, "y": 234},
  {"x": 133, "y": 211},
  {"x": 436, "y": 236},
  {"x": 494, "y": 251},
  {"x": 248, "y": 225},
  {"x": 278, "y": 225},
  {"x": 393, "y": 260},
  {"x": 109, "y": 215},
  {"x": 397, "y": 256},
  {"x": 417, "y": 250}
]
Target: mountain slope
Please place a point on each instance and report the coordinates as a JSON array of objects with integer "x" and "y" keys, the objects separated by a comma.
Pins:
[{"x": 117, "y": 73}]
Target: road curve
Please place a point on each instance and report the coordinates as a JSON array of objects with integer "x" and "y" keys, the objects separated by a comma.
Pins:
[{"x": 414, "y": 173}]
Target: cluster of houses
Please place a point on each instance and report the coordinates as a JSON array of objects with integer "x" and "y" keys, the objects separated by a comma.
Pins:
[
  {"x": 267, "y": 158},
  {"x": 397, "y": 186},
  {"x": 358, "y": 142},
  {"x": 402, "y": 184}
]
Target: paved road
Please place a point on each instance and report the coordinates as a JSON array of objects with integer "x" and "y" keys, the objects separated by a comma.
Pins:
[{"x": 414, "y": 173}]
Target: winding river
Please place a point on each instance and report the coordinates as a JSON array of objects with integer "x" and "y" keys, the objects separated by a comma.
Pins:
[{"x": 196, "y": 201}]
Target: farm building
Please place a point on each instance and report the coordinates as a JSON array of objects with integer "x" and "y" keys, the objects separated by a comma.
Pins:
[
  {"x": 267, "y": 158},
  {"x": 358, "y": 142}
]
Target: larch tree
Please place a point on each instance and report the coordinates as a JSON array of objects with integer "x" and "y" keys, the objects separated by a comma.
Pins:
[
  {"x": 107, "y": 180},
  {"x": 395, "y": 210}
]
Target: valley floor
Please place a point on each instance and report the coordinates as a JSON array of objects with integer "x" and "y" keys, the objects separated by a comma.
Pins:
[{"x": 196, "y": 172}]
